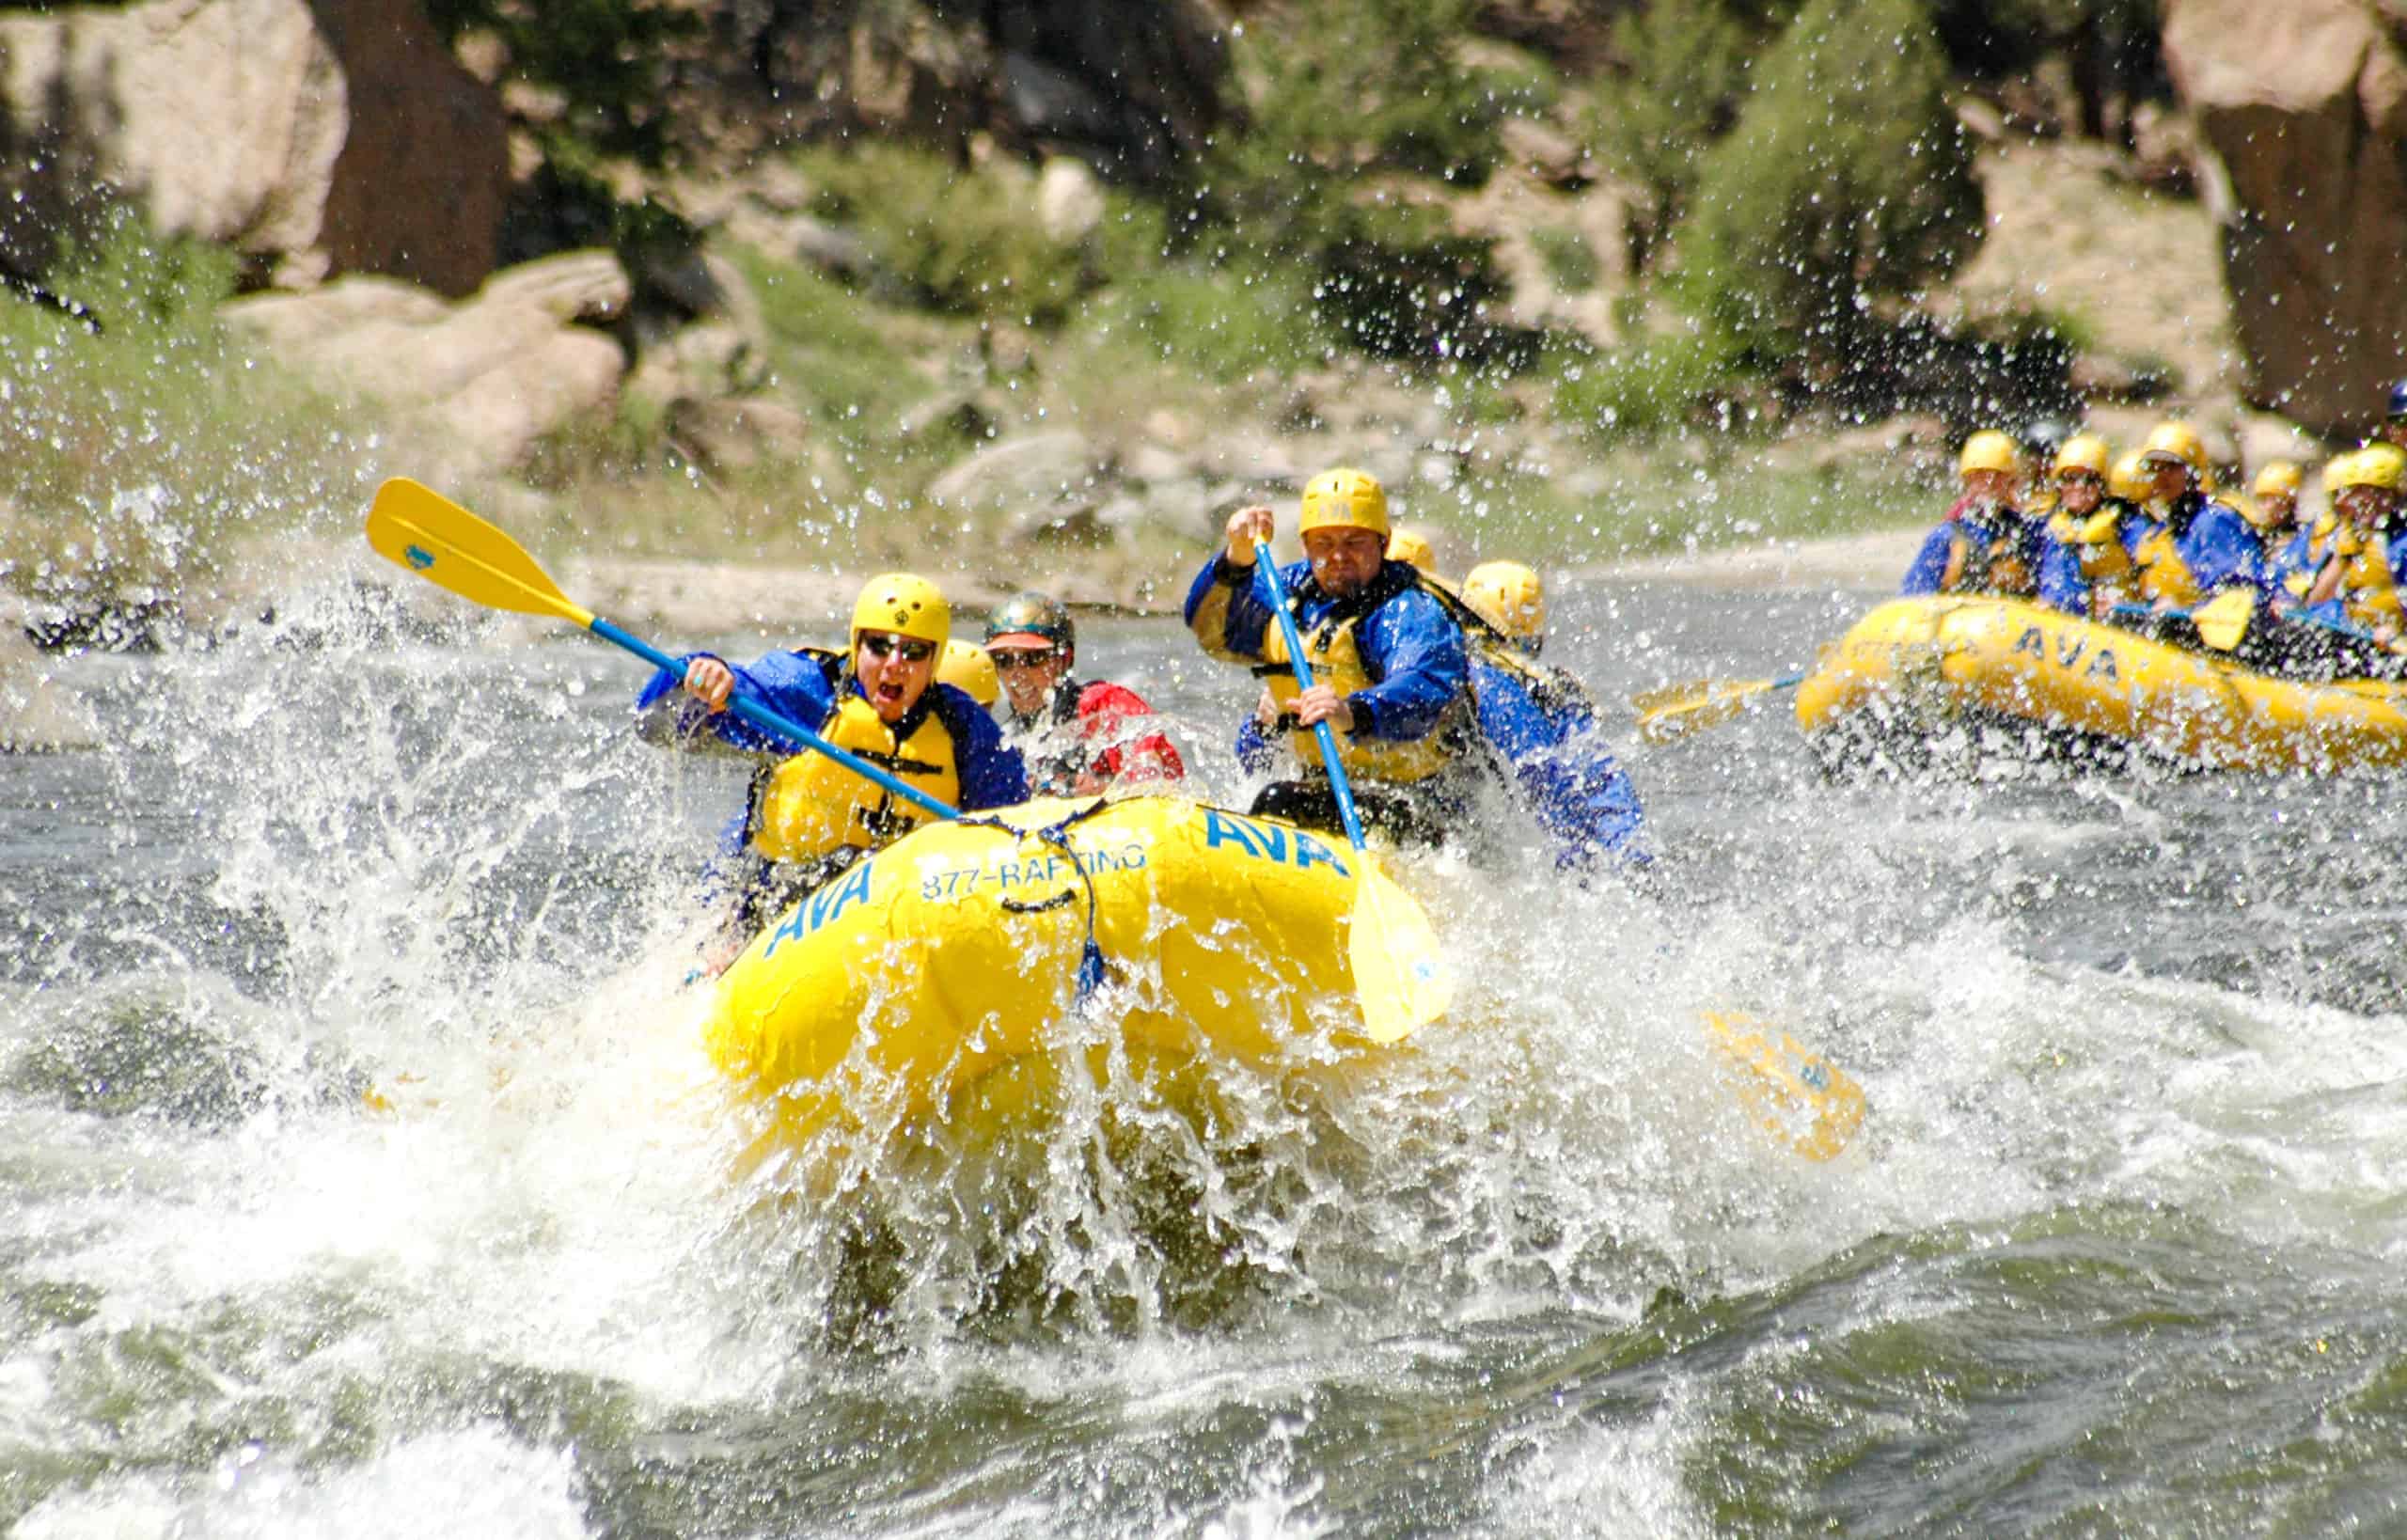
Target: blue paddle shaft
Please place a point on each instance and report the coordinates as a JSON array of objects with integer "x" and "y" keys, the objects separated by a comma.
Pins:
[
  {"x": 768, "y": 721},
  {"x": 1269, "y": 571}
]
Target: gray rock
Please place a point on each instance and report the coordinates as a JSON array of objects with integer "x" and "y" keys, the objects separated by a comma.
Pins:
[
  {"x": 473, "y": 386},
  {"x": 2305, "y": 107},
  {"x": 320, "y": 139},
  {"x": 730, "y": 433},
  {"x": 1069, "y": 200},
  {"x": 1045, "y": 471}
]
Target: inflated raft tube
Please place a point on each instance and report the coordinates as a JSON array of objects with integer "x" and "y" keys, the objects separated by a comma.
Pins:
[
  {"x": 966, "y": 946},
  {"x": 1916, "y": 668}
]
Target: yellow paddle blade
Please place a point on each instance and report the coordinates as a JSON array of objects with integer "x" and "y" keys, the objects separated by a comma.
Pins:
[
  {"x": 431, "y": 535},
  {"x": 1679, "y": 710},
  {"x": 1802, "y": 1098},
  {"x": 2223, "y": 621},
  {"x": 1399, "y": 974}
]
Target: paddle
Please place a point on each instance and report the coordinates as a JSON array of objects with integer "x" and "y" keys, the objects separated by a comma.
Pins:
[
  {"x": 438, "y": 539},
  {"x": 2220, "y": 622},
  {"x": 1675, "y": 711},
  {"x": 1399, "y": 974},
  {"x": 1806, "y": 1100}
]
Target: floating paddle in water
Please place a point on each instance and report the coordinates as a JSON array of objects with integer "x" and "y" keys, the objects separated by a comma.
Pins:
[
  {"x": 1807, "y": 1101},
  {"x": 2220, "y": 622},
  {"x": 1399, "y": 974},
  {"x": 1676, "y": 711}
]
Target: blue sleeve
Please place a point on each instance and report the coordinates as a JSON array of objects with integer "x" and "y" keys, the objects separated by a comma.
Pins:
[
  {"x": 789, "y": 683},
  {"x": 1563, "y": 767},
  {"x": 1229, "y": 612},
  {"x": 2225, "y": 550},
  {"x": 992, "y": 776},
  {"x": 1929, "y": 564},
  {"x": 2061, "y": 585},
  {"x": 1416, "y": 650},
  {"x": 1257, "y": 752},
  {"x": 1582, "y": 797}
]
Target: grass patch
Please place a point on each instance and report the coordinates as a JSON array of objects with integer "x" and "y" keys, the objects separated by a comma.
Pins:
[
  {"x": 1640, "y": 391},
  {"x": 1224, "y": 324},
  {"x": 136, "y": 454}
]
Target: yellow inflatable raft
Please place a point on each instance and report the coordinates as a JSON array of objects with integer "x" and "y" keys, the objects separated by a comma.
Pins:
[
  {"x": 1914, "y": 667},
  {"x": 957, "y": 951}
]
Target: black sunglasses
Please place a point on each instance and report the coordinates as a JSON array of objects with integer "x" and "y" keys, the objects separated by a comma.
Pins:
[
  {"x": 883, "y": 646},
  {"x": 1023, "y": 657}
]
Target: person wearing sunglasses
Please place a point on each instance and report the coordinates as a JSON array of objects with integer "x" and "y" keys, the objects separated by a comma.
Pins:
[
  {"x": 1392, "y": 676},
  {"x": 1082, "y": 737},
  {"x": 807, "y": 818}
]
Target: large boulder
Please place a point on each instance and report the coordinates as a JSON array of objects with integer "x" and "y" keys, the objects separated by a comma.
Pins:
[
  {"x": 470, "y": 387},
  {"x": 2304, "y": 104},
  {"x": 338, "y": 136}
]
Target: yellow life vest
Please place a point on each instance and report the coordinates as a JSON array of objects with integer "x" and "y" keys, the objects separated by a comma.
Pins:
[
  {"x": 2369, "y": 589},
  {"x": 2097, "y": 540},
  {"x": 1335, "y": 655},
  {"x": 2162, "y": 572},
  {"x": 1996, "y": 567},
  {"x": 809, "y": 805}
]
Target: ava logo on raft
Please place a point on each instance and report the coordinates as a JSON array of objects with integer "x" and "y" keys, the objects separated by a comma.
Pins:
[
  {"x": 2068, "y": 653},
  {"x": 822, "y": 907},
  {"x": 1267, "y": 841}
]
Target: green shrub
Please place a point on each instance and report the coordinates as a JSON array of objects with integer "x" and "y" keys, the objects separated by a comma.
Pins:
[
  {"x": 1847, "y": 179},
  {"x": 1348, "y": 82},
  {"x": 1569, "y": 260},
  {"x": 959, "y": 240},
  {"x": 1687, "y": 69},
  {"x": 608, "y": 59}
]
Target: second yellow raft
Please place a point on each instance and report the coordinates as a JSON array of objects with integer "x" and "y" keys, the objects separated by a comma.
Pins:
[
  {"x": 1916, "y": 665},
  {"x": 957, "y": 951}
]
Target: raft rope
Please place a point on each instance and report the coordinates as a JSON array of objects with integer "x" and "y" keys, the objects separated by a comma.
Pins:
[{"x": 1093, "y": 970}]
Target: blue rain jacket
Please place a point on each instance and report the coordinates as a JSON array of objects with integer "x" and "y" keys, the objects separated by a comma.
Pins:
[
  {"x": 2220, "y": 547},
  {"x": 1409, "y": 642},
  {"x": 1929, "y": 566},
  {"x": 1561, "y": 765},
  {"x": 2297, "y": 557}
]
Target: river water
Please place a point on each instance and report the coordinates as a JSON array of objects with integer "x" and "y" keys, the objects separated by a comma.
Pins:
[{"x": 2119, "y": 1249}]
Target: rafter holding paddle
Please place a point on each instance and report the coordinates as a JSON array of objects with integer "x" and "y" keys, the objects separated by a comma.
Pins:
[{"x": 1402, "y": 977}]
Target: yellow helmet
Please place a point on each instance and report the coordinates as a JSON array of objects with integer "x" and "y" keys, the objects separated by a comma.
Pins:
[
  {"x": 2381, "y": 465},
  {"x": 1409, "y": 544},
  {"x": 969, "y": 667},
  {"x": 1509, "y": 597},
  {"x": 904, "y": 604},
  {"x": 2178, "y": 441},
  {"x": 1989, "y": 450},
  {"x": 2127, "y": 480},
  {"x": 2084, "y": 451},
  {"x": 2277, "y": 480},
  {"x": 1344, "y": 499}
]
